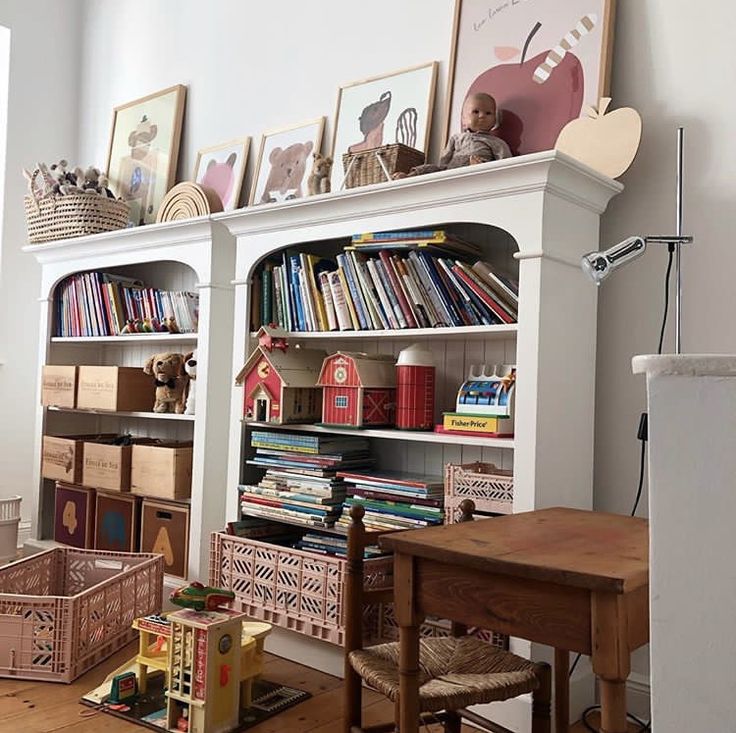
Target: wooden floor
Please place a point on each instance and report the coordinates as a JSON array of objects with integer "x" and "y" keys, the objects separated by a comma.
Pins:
[{"x": 38, "y": 707}]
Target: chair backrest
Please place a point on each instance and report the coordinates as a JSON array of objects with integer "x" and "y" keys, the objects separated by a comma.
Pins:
[{"x": 356, "y": 596}]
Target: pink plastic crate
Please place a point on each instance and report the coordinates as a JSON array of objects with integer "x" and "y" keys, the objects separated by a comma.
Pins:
[
  {"x": 290, "y": 588},
  {"x": 491, "y": 489},
  {"x": 65, "y": 610}
]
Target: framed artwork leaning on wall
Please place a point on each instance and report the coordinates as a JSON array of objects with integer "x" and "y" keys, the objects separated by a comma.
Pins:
[
  {"x": 222, "y": 168},
  {"x": 144, "y": 150}
]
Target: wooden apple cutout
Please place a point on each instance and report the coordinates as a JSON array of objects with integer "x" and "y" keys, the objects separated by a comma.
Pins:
[{"x": 608, "y": 143}]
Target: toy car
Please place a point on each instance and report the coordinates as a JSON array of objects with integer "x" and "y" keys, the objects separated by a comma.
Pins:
[{"x": 201, "y": 597}]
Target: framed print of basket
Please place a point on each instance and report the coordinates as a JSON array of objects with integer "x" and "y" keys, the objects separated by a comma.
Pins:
[
  {"x": 390, "y": 113},
  {"x": 379, "y": 164},
  {"x": 51, "y": 216}
]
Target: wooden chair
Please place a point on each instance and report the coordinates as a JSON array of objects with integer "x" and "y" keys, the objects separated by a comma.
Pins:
[{"x": 455, "y": 672}]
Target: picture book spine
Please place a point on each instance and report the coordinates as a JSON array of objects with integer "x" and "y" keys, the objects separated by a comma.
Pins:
[
  {"x": 324, "y": 283},
  {"x": 286, "y": 294},
  {"x": 396, "y": 285},
  {"x": 267, "y": 295},
  {"x": 442, "y": 291},
  {"x": 430, "y": 292},
  {"x": 338, "y": 297},
  {"x": 366, "y": 282},
  {"x": 461, "y": 299},
  {"x": 319, "y": 304},
  {"x": 277, "y": 301},
  {"x": 382, "y": 294},
  {"x": 486, "y": 315},
  {"x": 348, "y": 300},
  {"x": 424, "y": 234},
  {"x": 485, "y": 271},
  {"x": 490, "y": 294},
  {"x": 500, "y": 315},
  {"x": 295, "y": 267},
  {"x": 355, "y": 294},
  {"x": 421, "y": 311},
  {"x": 306, "y": 301},
  {"x": 393, "y": 300}
]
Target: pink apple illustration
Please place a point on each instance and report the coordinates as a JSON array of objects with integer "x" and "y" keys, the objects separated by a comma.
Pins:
[{"x": 540, "y": 95}]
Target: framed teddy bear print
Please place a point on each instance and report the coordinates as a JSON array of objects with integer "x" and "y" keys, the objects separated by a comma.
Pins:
[
  {"x": 144, "y": 150},
  {"x": 284, "y": 162},
  {"x": 221, "y": 168}
]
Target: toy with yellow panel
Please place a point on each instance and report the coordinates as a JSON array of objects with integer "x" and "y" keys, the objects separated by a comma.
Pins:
[{"x": 195, "y": 669}]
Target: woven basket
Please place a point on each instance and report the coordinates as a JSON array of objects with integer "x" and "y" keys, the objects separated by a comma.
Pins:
[
  {"x": 51, "y": 216},
  {"x": 379, "y": 164}
]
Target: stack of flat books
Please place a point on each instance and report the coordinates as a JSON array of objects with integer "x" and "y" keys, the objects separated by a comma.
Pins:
[
  {"x": 334, "y": 546},
  {"x": 385, "y": 281},
  {"x": 300, "y": 483},
  {"x": 393, "y": 501}
]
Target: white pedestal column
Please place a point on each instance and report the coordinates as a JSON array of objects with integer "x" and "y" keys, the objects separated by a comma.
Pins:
[{"x": 692, "y": 514}]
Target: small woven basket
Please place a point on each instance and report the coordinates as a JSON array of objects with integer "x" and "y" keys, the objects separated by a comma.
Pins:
[
  {"x": 379, "y": 164},
  {"x": 51, "y": 216}
]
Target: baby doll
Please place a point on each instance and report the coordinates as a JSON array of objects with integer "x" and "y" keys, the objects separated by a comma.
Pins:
[{"x": 476, "y": 144}]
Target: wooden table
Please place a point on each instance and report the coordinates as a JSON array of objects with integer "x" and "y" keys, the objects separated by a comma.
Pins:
[{"x": 574, "y": 580}]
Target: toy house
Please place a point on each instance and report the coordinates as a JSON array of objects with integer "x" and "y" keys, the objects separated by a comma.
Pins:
[
  {"x": 280, "y": 383},
  {"x": 358, "y": 390}
]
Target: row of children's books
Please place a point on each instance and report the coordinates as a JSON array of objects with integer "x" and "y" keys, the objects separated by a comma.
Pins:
[
  {"x": 385, "y": 281},
  {"x": 102, "y": 303}
]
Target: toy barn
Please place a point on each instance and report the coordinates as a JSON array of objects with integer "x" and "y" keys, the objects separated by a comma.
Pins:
[
  {"x": 358, "y": 390},
  {"x": 280, "y": 383}
]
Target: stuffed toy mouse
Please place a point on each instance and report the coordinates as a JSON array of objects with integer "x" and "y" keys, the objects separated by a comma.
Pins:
[
  {"x": 190, "y": 367},
  {"x": 171, "y": 381}
]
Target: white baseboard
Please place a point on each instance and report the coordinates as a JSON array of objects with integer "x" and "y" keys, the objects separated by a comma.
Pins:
[{"x": 638, "y": 696}]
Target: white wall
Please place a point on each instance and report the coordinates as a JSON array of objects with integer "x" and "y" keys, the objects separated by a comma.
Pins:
[
  {"x": 42, "y": 126},
  {"x": 251, "y": 67}
]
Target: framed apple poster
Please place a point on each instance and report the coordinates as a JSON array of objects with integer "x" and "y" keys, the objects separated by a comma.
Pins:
[{"x": 543, "y": 62}]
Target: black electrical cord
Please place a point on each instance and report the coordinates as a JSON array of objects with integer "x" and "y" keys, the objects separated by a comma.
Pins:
[
  {"x": 643, "y": 436},
  {"x": 643, "y": 726}
]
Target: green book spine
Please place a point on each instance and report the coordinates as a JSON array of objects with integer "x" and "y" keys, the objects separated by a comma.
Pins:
[{"x": 267, "y": 296}]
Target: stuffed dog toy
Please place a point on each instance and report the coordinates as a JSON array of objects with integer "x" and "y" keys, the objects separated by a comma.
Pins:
[
  {"x": 171, "y": 381},
  {"x": 190, "y": 367}
]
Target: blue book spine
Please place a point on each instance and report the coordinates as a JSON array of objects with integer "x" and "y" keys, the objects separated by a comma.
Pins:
[
  {"x": 434, "y": 276},
  {"x": 354, "y": 288},
  {"x": 300, "y": 323}
]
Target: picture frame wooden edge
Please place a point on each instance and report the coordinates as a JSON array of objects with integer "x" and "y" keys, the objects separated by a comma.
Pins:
[
  {"x": 604, "y": 77},
  {"x": 275, "y": 131},
  {"x": 432, "y": 93},
  {"x": 242, "y": 141},
  {"x": 181, "y": 93}
]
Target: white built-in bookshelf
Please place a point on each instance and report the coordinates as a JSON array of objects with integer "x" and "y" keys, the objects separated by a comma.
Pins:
[{"x": 196, "y": 255}]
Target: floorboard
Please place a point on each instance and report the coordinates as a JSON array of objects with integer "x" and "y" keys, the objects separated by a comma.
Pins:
[{"x": 42, "y": 707}]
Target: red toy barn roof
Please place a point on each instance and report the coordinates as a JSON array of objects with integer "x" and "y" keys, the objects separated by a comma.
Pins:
[{"x": 372, "y": 371}]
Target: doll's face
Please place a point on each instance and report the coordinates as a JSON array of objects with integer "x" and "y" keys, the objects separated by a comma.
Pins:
[{"x": 479, "y": 113}]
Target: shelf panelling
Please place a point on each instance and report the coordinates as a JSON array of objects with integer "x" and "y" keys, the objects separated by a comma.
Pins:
[{"x": 122, "y": 415}]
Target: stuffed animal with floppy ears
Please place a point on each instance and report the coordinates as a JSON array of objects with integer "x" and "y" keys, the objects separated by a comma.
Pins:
[
  {"x": 171, "y": 380},
  {"x": 190, "y": 367}
]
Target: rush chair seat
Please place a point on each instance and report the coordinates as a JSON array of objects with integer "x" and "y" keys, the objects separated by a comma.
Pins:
[{"x": 455, "y": 672}]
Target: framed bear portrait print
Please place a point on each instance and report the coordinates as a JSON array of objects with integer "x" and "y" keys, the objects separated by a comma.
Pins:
[
  {"x": 285, "y": 161},
  {"x": 144, "y": 151},
  {"x": 221, "y": 168}
]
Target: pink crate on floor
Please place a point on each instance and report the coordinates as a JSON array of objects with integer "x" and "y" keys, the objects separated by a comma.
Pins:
[
  {"x": 491, "y": 489},
  {"x": 286, "y": 587},
  {"x": 65, "y": 610}
]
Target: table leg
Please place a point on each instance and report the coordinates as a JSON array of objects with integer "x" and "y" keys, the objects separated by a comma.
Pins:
[
  {"x": 562, "y": 691},
  {"x": 613, "y": 706},
  {"x": 611, "y": 658},
  {"x": 408, "y": 622}
]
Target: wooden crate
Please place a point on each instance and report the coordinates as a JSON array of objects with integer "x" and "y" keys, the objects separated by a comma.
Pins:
[
  {"x": 59, "y": 386},
  {"x": 62, "y": 456},
  {"x": 115, "y": 388},
  {"x": 74, "y": 515},
  {"x": 107, "y": 466},
  {"x": 162, "y": 470},
  {"x": 165, "y": 530},
  {"x": 117, "y": 522}
]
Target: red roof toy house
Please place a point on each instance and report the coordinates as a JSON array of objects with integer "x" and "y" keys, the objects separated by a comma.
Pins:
[
  {"x": 281, "y": 382},
  {"x": 358, "y": 390}
]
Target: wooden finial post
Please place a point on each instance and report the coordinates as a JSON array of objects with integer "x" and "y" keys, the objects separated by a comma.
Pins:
[{"x": 467, "y": 507}]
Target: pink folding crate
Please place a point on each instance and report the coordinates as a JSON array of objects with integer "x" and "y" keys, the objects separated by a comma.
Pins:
[
  {"x": 286, "y": 587},
  {"x": 65, "y": 610},
  {"x": 491, "y": 489}
]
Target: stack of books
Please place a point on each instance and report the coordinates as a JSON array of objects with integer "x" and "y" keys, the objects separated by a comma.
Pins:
[
  {"x": 393, "y": 501},
  {"x": 300, "y": 483},
  {"x": 386, "y": 281},
  {"x": 101, "y": 303},
  {"x": 334, "y": 546}
]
